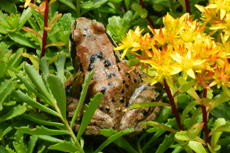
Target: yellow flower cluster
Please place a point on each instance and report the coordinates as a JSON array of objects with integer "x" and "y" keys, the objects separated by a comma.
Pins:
[
  {"x": 181, "y": 46},
  {"x": 217, "y": 14}
]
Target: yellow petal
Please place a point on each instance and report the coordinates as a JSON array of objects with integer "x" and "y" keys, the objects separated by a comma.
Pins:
[{"x": 191, "y": 73}]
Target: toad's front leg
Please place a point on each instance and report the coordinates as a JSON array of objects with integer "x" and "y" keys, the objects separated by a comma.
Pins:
[
  {"x": 100, "y": 119},
  {"x": 133, "y": 118}
]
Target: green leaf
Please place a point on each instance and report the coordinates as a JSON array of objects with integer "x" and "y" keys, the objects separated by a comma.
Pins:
[
  {"x": 16, "y": 111},
  {"x": 92, "y": 5},
  {"x": 42, "y": 131},
  {"x": 6, "y": 131},
  {"x": 3, "y": 30},
  {"x": 49, "y": 138},
  {"x": 32, "y": 143},
  {"x": 4, "y": 22},
  {"x": 158, "y": 133},
  {"x": 26, "y": 14},
  {"x": 194, "y": 117},
  {"x": 188, "y": 108},
  {"x": 108, "y": 132},
  {"x": 34, "y": 59},
  {"x": 58, "y": 91},
  {"x": 195, "y": 129},
  {"x": 30, "y": 87},
  {"x": 197, "y": 147},
  {"x": 61, "y": 67},
  {"x": 216, "y": 136},
  {"x": 222, "y": 128},
  {"x": 60, "y": 43},
  {"x": 54, "y": 19},
  {"x": 218, "y": 100},
  {"x": 38, "y": 82},
  {"x": 35, "y": 118},
  {"x": 141, "y": 11},
  {"x": 183, "y": 136},
  {"x": 168, "y": 141},
  {"x": 18, "y": 144},
  {"x": 5, "y": 89},
  {"x": 69, "y": 4},
  {"x": 64, "y": 146},
  {"x": 3, "y": 65},
  {"x": 89, "y": 112},
  {"x": 14, "y": 58},
  {"x": 82, "y": 97},
  {"x": 164, "y": 114},
  {"x": 152, "y": 123},
  {"x": 113, "y": 138},
  {"x": 3, "y": 149},
  {"x": 186, "y": 86},
  {"x": 118, "y": 27},
  {"x": 148, "y": 104},
  {"x": 191, "y": 91},
  {"x": 21, "y": 39},
  {"x": 44, "y": 67},
  {"x": 123, "y": 143},
  {"x": 25, "y": 98}
]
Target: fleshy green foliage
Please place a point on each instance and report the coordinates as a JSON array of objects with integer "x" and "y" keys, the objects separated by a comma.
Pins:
[{"x": 27, "y": 125}]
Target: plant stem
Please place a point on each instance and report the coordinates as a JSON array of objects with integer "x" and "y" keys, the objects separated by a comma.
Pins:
[
  {"x": 71, "y": 133},
  {"x": 73, "y": 136},
  {"x": 187, "y": 6},
  {"x": 205, "y": 119},
  {"x": 174, "y": 109},
  {"x": 44, "y": 31},
  {"x": 78, "y": 8},
  {"x": 148, "y": 17}
]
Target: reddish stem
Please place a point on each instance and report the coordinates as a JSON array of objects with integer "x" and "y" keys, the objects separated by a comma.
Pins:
[
  {"x": 148, "y": 17},
  {"x": 45, "y": 32},
  {"x": 174, "y": 109},
  {"x": 205, "y": 119},
  {"x": 187, "y": 6}
]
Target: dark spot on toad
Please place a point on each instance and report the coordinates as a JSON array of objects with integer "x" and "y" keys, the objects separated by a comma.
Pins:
[
  {"x": 135, "y": 81},
  {"x": 107, "y": 63},
  {"x": 127, "y": 74},
  {"x": 84, "y": 35},
  {"x": 107, "y": 109},
  {"x": 123, "y": 81},
  {"x": 113, "y": 100},
  {"x": 110, "y": 84},
  {"x": 145, "y": 113},
  {"x": 119, "y": 69},
  {"x": 94, "y": 78},
  {"x": 101, "y": 108},
  {"x": 99, "y": 55},
  {"x": 122, "y": 100},
  {"x": 122, "y": 91},
  {"x": 92, "y": 59},
  {"x": 91, "y": 66},
  {"x": 117, "y": 58},
  {"x": 126, "y": 85},
  {"x": 85, "y": 30},
  {"x": 109, "y": 76},
  {"x": 103, "y": 89}
]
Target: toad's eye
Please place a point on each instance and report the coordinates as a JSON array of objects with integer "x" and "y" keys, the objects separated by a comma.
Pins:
[
  {"x": 98, "y": 27},
  {"x": 77, "y": 35}
]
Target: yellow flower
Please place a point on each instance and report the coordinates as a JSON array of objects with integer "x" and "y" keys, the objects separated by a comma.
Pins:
[
  {"x": 222, "y": 75},
  {"x": 187, "y": 63},
  {"x": 130, "y": 42}
]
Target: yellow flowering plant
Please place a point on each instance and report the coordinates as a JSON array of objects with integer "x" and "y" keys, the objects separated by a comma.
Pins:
[{"x": 186, "y": 55}]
